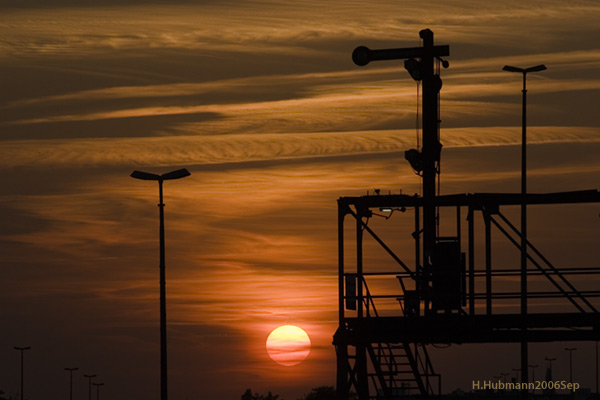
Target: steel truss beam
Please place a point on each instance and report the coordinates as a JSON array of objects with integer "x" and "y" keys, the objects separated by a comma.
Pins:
[{"x": 385, "y": 357}]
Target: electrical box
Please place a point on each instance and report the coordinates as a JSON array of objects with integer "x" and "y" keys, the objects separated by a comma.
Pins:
[
  {"x": 350, "y": 292},
  {"x": 447, "y": 275}
]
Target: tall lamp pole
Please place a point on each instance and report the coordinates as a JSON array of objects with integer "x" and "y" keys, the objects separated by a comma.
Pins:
[
  {"x": 22, "y": 349},
  {"x": 71, "y": 381},
  {"x": 524, "y": 352},
  {"x": 147, "y": 176}
]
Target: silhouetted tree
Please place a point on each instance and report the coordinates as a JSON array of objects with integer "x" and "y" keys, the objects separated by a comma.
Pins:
[
  {"x": 321, "y": 393},
  {"x": 326, "y": 393},
  {"x": 249, "y": 396},
  {"x": 270, "y": 396}
]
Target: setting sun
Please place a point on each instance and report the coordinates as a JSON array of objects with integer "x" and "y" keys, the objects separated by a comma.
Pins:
[{"x": 288, "y": 345}]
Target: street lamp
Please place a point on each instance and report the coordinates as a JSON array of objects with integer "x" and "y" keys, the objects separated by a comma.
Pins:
[
  {"x": 533, "y": 367},
  {"x": 71, "y": 381},
  {"x": 517, "y": 370},
  {"x": 89, "y": 385},
  {"x": 570, "y": 350},
  {"x": 524, "y": 71},
  {"x": 550, "y": 367},
  {"x": 147, "y": 176},
  {"x": 98, "y": 389},
  {"x": 22, "y": 349}
]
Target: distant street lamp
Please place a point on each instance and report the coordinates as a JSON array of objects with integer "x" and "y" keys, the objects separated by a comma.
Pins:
[
  {"x": 516, "y": 374},
  {"x": 89, "y": 385},
  {"x": 550, "y": 366},
  {"x": 570, "y": 350},
  {"x": 71, "y": 381},
  {"x": 533, "y": 367},
  {"x": 98, "y": 389},
  {"x": 22, "y": 349},
  {"x": 180, "y": 173},
  {"x": 504, "y": 375},
  {"x": 524, "y": 352}
]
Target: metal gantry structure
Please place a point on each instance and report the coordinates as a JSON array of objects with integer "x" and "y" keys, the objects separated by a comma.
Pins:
[{"x": 448, "y": 296}]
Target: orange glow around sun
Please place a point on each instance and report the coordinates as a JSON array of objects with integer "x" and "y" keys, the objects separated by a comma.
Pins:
[{"x": 288, "y": 345}]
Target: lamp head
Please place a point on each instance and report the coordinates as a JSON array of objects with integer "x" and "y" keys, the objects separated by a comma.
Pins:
[
  {"x": 146, "y": 176},
  {"x": 537, "y": 68},
  {"x": 180, "y": 173},
  {"x": 510, "y": 68},
  {"x": 361, "y": 56}
]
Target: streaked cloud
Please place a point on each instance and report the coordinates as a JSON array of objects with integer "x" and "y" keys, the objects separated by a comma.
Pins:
[
  {"x": 251, "y": 26},
  {"x": 241, "y": 148}
]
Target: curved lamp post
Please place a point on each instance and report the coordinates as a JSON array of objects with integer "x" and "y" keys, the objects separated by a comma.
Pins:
[{"x": 147, "y": 176}]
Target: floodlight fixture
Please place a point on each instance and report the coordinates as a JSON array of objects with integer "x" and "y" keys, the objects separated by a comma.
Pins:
[
  {"x": 415, "y": 158},
  {"x": 392, "y": 209},
  {"x": 414, "y": 69}
]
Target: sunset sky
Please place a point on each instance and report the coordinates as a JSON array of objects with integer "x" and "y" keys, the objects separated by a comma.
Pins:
[{"x": 260, "y": 100}]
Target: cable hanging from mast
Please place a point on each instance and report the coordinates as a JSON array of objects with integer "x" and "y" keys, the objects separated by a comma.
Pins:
[{"x": 417, "y": 120}]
